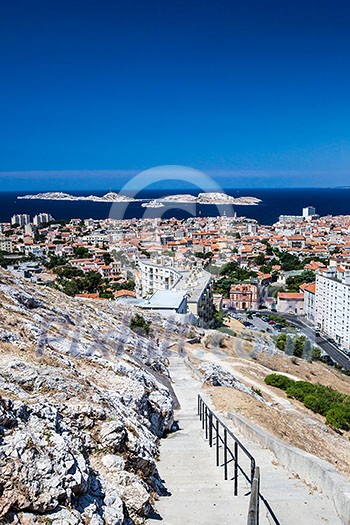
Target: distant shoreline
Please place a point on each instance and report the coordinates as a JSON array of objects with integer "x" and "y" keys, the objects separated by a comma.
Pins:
[
  {"x": 274, "y": 202},
  {"x": 213, "y": 198}
]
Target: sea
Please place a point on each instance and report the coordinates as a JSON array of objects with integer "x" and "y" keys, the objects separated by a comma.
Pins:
[{"x": 276, "y": 201}]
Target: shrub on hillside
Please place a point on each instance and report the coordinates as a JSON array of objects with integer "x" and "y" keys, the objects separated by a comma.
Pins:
[
  {"x": 320, "y": 399},
  {"x": 339, "y": 416},
  {"x": 279, "y": 381},
  {"x": 300, "y": 389},
  {"x": 316, "y": 404},
  {"x": 139, "y": 325}
]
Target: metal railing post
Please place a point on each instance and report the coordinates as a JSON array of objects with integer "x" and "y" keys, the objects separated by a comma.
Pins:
[
  {"x": 217, "y": 443},
  {"x": 225, "y": 454},
  {"x": 236, "y": 470},
  {"x": 210, "y": 429},
  {"x": 252, "y": 470},
  {"x": 253, "y": 510},
  {"x": 232, "y": 453}
]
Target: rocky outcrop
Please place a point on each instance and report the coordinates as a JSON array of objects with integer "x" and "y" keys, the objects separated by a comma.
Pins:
[
  {"x": 82, "y": 408},
  {"x": 216, "y": 375}
]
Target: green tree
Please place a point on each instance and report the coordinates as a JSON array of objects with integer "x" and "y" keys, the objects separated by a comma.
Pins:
[
  {"x": 260, "y": 259},
  {"x": 68, "y": 272},
  {"x": 293, "y": 283},
  {"x": 107, "y": 258},
  {"x": 281, "y": 341},
  {"x": 139, "y": 325},
  {"x": 316, "y": 353},
  {"x": 91, "y": 282},
  {"x": 299, "y": 344},
  {"x": 81, "y": 252},
  {"x": 289, "y": 349}
]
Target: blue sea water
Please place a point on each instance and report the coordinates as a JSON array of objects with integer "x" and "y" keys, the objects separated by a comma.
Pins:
[{"x": 327, "y": 201}]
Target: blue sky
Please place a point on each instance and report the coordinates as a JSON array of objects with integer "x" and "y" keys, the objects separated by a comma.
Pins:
[{"x": 253, "y": 93}]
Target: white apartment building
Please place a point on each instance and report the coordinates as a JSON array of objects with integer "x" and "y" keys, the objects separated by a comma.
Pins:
[
  {"x": 20, "y": 219},
  {"x": 42, "y": 218},
  {"x": 155, "y": 277},
  {"x": 332, "y": 304},
  {"x": 309, "y": 211},
  {"x": 195, "y": 284},
  {"x": 6, "y": 245}
]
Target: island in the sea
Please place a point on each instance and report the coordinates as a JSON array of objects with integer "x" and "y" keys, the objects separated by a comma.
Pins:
[
  {"x": 152, "y": 204},
  {"x": 59, "y": 196},
  {"x": 215, "y": 198},
  {"x": 212, "y": 198}
]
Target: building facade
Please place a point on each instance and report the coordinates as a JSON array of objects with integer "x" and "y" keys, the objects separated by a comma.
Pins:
[
  {"x": 195, "y": 284},
  {"x": 6, "y": 245},
  {"x": 42, "y": 218},
  {"x": 290, "y": 303},
  {"x": 332, "y": 304},
  {"x": 20, "y": 219},
  {"x": 154, "y": 277},
  {"x": 244, "y": 296},
  {"x": 309, "y": 292}
]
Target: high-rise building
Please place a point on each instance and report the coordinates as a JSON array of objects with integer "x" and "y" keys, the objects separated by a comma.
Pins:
[
  {"x": 42, "y": 218},
  {"x": 20, "y": 219},
  {"x": 332, "y": 304},
  {"x": 28, "y": 229},
  {"x": 309, "y": 211}
]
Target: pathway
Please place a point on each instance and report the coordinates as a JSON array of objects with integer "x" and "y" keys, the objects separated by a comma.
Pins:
[{"x": 200, "y": 496}]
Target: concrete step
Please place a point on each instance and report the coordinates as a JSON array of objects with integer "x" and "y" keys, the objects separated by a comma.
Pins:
[{"x": 200, "y": 495}]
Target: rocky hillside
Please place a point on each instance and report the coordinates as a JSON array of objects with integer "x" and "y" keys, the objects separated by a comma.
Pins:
[{"x": 83, "y": 403}]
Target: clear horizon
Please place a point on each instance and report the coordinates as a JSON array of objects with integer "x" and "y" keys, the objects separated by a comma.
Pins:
[{"x": 105, "y": 180}]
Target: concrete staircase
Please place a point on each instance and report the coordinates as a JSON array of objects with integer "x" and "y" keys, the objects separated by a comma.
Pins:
[{"x": 198, "y": 493}]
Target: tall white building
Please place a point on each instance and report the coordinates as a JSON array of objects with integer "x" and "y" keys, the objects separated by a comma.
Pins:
[
  {"x": 332, "y": 304},
  {"x": 42, "y": 218},
  {"x": 309, "y": 211},
  {"x": 20, "y": 219}
]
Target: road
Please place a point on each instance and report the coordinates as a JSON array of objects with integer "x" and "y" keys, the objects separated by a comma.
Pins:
[{"x": 330, "y": 349}]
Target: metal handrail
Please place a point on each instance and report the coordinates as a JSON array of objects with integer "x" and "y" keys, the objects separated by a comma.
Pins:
[
  {"x": 211, "y": 422},
  {"x": 253, "y": 510}
]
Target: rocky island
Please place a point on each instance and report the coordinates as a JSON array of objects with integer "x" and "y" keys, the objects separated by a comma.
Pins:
[
  {"x": 60, "y": 196},
  {"x": 152, "y": 204},
  {"x": 215, "y": 198}
]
